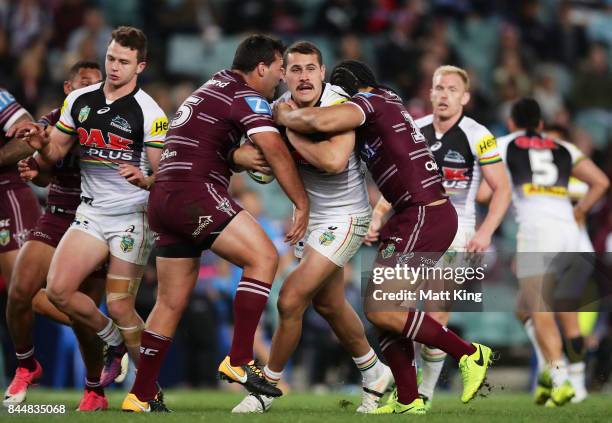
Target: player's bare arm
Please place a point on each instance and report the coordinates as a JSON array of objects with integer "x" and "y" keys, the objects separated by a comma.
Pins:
[
  {"x": 501, "y": 195},
  {"x": 277, "y": 155},
  {"x": 51, "y": 147},
  {"x": 135, "y": 176},
  {"x": 598, "y": 183},
  {"x": 379, "y": 215},
  {"x": 308, "y": 120},
  {"x": 330, "y": 155},
  {"x": 15, "y": 149},
  {"x": 249, "y": 157}
]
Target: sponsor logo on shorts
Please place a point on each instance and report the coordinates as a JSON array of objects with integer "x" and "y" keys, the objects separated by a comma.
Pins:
[
  {"x": 80, "y": 222},
  {"x": 404, "y": 258},
  {"x": 328, "y": 236},
  {"x": 388, "y": 251},
  {"x": 5, "y": 237},
  {"x": 39, "y": 234},
  {"x": 84, "y": 114},
  {"x": 127, "y": 243},
  {"x": 203, "y": 222},
  {"x": 5, "y": 223},
  {"x": 21, "y": 237},
  {"x": 121, "y": 123}
]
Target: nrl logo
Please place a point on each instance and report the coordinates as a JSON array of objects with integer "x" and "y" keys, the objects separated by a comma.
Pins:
[
  {"x": 84, "y": 114},
  {"x": 127, "y": 243},
  {"x": 327, "y": 238},
  {"x": 5, "y": 237}
]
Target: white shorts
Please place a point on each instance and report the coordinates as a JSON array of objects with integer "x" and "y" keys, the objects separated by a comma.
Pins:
[
  {"x": 337, "y": 238},
  {"x": 538, "y": 243},
  {"x": 455, "y": 255},
  {"x": 128, "y": 235}
]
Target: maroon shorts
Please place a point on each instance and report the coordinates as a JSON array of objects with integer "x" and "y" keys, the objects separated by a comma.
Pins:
[
  {"x": 51, "y": 227},
  {"x": 19, "y": 211},
  {"x": 418, "y": 235},
  {"x": 188, "y": 216}
]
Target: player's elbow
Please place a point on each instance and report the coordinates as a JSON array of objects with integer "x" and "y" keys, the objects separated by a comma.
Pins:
[{"x": 604, "y": 183}]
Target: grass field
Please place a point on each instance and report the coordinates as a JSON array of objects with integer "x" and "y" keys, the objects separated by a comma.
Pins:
[{"x": 215, "y": 406}]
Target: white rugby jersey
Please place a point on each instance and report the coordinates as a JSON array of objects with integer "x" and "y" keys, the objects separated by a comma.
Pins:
[
  {"x": 329, "y": 194},
  {"x": 459, "y": 154},
  {"x": 111, "y": 133},
  {"x": 540, "y": 169}
]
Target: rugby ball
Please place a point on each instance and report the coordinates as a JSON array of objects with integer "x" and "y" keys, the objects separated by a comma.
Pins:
[{"x": 260, "y": 178}]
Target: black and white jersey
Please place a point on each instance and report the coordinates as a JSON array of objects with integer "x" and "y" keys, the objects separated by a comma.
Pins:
[
  {"x": 111, "y": 133},
  {"x": 459, "y": 153},
  {"x": 540, "y": 169}
]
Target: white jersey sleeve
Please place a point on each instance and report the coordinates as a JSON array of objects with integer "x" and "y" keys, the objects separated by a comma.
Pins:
[
  {"x": 66, "y": 122},
  {"x": 482, "y": 142},
  {"x": 574, "y": 151},
  {"x": 155, "y": 120}
]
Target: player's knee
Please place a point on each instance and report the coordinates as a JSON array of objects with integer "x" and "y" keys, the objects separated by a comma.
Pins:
[
  {"x": 118, "y": 310},
  {"x": 59, "y": 297},
  {"x": 266, "y": 258},
  {"x": 19, "y": 295},
  {"x": 290, "y": 305}
]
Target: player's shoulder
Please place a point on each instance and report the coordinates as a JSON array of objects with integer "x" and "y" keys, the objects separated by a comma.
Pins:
[
  {"x": 574, "y": 151},
  {"x": 475, "y": 131},
  {"x": 424, "y": 121},
  {"x": 332, "y": 95},
  {"x": 147, "y": 103},
  {"x": 504, "y": 141},
  {"x": 84, "y": 91}
]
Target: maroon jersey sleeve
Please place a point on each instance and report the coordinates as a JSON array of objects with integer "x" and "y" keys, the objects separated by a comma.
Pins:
[
  {"x": 51, "y": 118},
  {"x": 252, "y": 113},
  {"x": 364, "y": 102}
]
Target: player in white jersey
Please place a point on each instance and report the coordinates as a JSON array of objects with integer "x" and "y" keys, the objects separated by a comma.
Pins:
[
  {"x": 465, "y": 151},
  {"x": 339, "y": 219},
  {"x": 121, "y": 130},
  {"x": 540, "y": 168}
]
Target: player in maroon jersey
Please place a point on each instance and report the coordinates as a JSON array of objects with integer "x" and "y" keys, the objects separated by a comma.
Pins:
[
  {"x": 19, "y": 207},
  {"x": 191, "y": 210},
  {"x": 422, "y": 227},
  {"x": 30, "y": 273}
]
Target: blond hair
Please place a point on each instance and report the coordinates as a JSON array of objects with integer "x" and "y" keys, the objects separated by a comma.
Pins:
[{"x": 449, "y": 69}]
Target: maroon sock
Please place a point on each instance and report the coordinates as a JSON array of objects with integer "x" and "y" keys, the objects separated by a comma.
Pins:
[
  {"x": 249, "y": 304},
  {"x": 153, "y": 349},
  {"x": 399, "y": 354},
  {"x": 93, "y": 384},
  {"x": 25, "y": 358},
  {"x": 422, "y": 328}
]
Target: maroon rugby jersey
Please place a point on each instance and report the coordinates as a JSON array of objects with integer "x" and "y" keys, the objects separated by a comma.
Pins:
[
  {"x": 210, "y": 122},
  {"x": 10, "y": 111},
  {"x": 395, "y": 151},
  {"x": 65, "y": 187}
]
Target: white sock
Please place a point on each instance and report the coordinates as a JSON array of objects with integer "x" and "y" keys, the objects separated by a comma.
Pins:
[
  {"x": 272, "y": 376},
  {"x": 576, "y": 375},
  {"x": 530, "y": 329},
  {"x": 110, "y": 334},
  {"x": 432, "y": 361},
  {"x": 558, "y": 373},
  {"x": 370, "y": 366}
]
